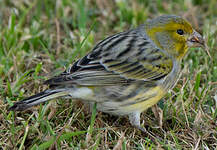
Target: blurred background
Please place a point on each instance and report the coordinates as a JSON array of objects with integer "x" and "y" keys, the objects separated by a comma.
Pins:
[{"x": 40, "y": 38}]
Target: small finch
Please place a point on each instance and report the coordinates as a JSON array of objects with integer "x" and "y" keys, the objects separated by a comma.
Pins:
[{"x": 128, "y": 72}]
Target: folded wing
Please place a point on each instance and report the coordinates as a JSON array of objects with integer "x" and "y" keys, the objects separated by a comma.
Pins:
[{"x": 119, "y": 59}]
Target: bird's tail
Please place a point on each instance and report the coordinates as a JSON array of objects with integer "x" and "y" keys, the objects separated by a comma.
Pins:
[{"x": 37, "y": 99}]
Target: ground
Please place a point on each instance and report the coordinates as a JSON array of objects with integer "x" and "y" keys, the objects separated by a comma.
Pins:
[{"x": 38, "y": 39}]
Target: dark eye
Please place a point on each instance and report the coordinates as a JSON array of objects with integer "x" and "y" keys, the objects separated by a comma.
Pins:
[{"x": 180, "y": 31}]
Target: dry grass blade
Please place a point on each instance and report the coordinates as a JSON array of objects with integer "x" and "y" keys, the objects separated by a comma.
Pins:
[
  {"x": 118, "y": 146},
  {"x": 207, "y": 49},
  {"x": 158, "y": 113}
]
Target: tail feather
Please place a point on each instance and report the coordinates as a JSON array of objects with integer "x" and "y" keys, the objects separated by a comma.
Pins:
[{"x": 37, "y": 99}]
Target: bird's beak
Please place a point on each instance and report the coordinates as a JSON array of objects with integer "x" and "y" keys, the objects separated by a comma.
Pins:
[{"x": 196, "y": 40}]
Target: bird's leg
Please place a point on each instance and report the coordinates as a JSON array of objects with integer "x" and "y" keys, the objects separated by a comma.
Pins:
[{"x": 135, "y": 121}]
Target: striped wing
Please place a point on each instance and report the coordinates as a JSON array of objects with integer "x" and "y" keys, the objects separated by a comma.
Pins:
[{"x": 122, "y": 58}]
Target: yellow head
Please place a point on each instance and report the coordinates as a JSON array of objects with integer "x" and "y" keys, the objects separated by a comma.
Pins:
[{"x": 173, "y": 34}]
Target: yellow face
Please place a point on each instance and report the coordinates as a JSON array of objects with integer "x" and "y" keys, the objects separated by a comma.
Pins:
[
  {"x": 178, "y": 32},
  {"x": 174, "y": 34}
]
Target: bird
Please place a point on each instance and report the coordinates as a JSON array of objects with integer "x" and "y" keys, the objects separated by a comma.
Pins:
[{"x": 126, "y": 73}]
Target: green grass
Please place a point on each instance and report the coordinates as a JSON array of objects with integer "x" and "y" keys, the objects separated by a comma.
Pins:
[{"x": 38, "y": 39}]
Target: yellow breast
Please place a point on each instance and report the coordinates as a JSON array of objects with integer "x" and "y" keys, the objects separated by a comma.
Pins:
[{"x": 153, "y": 95}]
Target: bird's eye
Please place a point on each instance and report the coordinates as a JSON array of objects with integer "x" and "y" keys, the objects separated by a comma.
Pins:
[{"x": 180, "y": 31}]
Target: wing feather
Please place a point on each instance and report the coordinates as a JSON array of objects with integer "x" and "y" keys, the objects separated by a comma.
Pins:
[{"x": 120, "y": 59}]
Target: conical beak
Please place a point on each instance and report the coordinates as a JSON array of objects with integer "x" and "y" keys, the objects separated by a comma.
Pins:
[{"x": 196, "y": 40}]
